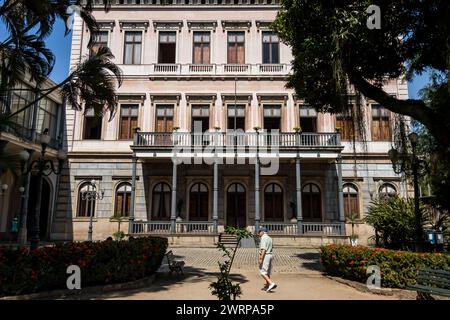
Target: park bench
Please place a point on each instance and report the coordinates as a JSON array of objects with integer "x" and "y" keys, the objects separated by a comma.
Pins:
[
  {"x": 430, "y": 282},
  {"x": 174, "y": 265}
]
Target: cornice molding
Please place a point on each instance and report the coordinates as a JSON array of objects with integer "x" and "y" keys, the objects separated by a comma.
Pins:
[
  {"x": 236, "y": 25},
  {"x": 134, "y": 25}
]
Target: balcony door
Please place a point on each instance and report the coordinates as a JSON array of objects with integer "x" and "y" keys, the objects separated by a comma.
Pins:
[
  {"x": 236, "y": 206},
  {"x": 167, "y": 47},
  {"x": 311, "y": 203},
  {"x": 198, "y": 202},
  {"x": 164, "y": 124},
  {"x": 272, "y": 117},
  {"x": 308, "y": 119},
  {"x": 273, "y": 203}
]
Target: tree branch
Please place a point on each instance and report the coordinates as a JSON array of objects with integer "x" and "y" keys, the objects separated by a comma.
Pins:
[{"x": 416, "y": 109}]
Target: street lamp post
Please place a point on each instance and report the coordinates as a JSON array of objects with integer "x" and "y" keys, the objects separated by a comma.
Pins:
[
  {"x": 44, "y": 167},
  {"x": 399, "y": 164},
  {"x": 91, "y": 196}
]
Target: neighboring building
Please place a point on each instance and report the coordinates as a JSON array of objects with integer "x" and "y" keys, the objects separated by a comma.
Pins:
[
  {"x": 218, "y": 66},
  {"x": 18, "y": 193}
]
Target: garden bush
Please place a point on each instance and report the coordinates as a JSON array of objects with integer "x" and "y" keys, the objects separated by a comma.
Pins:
[
  {"x": 398, "y": 268},
  {"x": 101, "y": 263}
]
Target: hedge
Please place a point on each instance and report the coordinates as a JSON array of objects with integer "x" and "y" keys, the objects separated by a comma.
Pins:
[
  {"x": 398, "y": 268},
  {"x": 101, "y": 263}
]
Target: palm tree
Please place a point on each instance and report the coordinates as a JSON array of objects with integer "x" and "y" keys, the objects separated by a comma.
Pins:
[{"x": 23, "y": 52}]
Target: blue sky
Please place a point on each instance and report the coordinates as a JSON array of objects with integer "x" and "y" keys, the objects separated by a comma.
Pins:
[{"x": 60, "y": 45}]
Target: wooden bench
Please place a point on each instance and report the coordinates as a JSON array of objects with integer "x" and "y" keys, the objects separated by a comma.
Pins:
[
  {"x": 430, "y": 282},
  {"x": 174, "y": 265}
]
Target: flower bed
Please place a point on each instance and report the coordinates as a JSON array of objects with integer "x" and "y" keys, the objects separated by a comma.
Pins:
[
  {"x": 398, "y": 268},
  {"x": 104, "y": 262}
]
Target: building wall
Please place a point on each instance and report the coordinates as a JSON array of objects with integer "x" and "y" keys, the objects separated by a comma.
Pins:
[{"x": 108, "y": 160}]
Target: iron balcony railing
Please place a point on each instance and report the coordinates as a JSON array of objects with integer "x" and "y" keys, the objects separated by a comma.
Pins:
[{"x": 236, "y": 139}]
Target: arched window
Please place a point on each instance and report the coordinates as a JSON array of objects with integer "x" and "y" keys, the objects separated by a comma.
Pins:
[
  {"x": 273, "y": 203},
  {"x": 123, "y": 200},
  {"x": 198, "y": 202},
  {"x": 387, "y": 190},
  {"x": 161, "y": 202},
  {"x": 351, "y": 200},
  {"x": 311, "y": 202},
  {"x": 86, "y": 207}
]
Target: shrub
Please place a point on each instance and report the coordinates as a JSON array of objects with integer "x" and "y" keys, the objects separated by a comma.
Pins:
[
  {"x": 104, "y": 262},
  {"x": 394, "y": 220},
  {"x": 398, "y": 268}
]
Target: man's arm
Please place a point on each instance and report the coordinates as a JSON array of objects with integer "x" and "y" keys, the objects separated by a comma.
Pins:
[{"x": 262, "y": 254}]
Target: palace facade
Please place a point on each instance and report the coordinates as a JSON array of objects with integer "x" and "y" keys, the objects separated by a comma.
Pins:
[{"x": 207, "y": 135}]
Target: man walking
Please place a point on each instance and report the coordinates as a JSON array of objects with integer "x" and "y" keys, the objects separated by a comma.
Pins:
[{"x": 265, "y": 259}]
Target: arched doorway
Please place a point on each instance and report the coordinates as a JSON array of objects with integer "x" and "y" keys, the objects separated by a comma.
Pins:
[
  {"x": 311, "y": 203},
  {"x": 44, "y": 208},
  {"x": 236, "y": 206},
  {"x": 273, "y": 203}
]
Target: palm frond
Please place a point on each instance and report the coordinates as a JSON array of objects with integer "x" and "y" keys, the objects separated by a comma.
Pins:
[{"x": 94, "y": 82}]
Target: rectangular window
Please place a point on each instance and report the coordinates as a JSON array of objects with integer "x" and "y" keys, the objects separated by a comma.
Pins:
[
  {"x": 99, "y": 39},
  {"x": 164, "y": 118},
  {"x": 201, "y": 54},
  {"x": 167, "y": 47},
  {"x": 236, "y": 117},
  {"x": 236, "y": 48},
  {"x": 272, "y": 117},
  {"x": 128, "y": 120},
  {"x": 200, "y": 118},
  {"x": 133, "y": 47},
  {"x": 381, "y": 127},
  {"x": 271, "y": 48},
  {"x": 92, "y": 126}
]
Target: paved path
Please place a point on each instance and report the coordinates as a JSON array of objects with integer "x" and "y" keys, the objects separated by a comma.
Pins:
[{"x": 296, "y": 271}]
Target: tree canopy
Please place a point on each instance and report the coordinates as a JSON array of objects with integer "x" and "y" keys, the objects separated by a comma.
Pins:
[{"x": 334, "y": 50}]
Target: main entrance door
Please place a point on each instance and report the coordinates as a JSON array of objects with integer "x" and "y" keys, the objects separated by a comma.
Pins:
[
  {"x": 44, "y": 209},
  {"x": 236, "y": 205}
]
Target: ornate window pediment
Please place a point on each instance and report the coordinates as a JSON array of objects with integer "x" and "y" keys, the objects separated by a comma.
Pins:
[
  {"x": 200, "y": 97},
  {"x": 236, "y": 25},
  {"x": 165, "y": 98},
  {"x": 134, "y": 25},
  {"x": 263, "y": 25},
  {"x": 272, "y": 98},
  {"x": 167, "y": 25},
  {"x": 202, "y": 25}
]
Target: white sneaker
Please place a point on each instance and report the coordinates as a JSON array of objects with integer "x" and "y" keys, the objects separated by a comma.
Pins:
[{"x": 272, "y": 286}]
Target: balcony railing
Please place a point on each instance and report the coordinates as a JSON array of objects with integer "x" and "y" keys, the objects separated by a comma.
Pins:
[
  {"x": 164, "y": 227},
  {"x": 176, "y": 69},
  {"x": 236, "y": 139},
  {"x": 207, "y": 227},
  {"x": 308, "y": 228}
]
